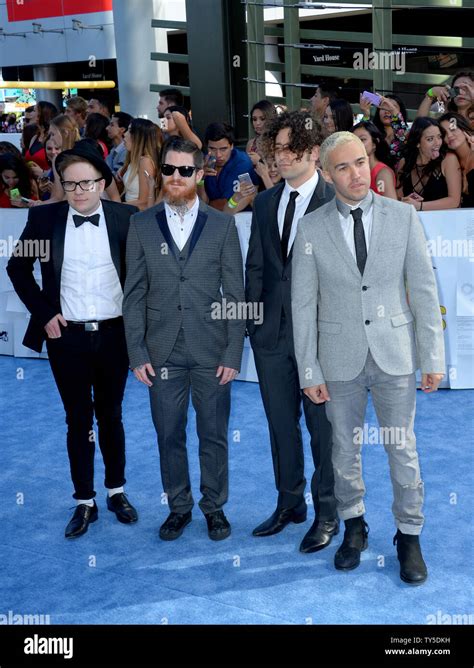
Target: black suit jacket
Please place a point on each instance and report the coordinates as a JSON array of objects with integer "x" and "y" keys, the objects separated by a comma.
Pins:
[
  {"x": 267, "y": 277},
  {"x": 48, "y": 224}
]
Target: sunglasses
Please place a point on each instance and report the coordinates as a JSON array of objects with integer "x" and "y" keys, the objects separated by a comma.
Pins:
[{"x": 185, "y": 172}]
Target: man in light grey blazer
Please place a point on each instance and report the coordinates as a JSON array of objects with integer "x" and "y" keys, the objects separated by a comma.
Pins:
[
  {"x": 366, "y": 315},
  {"x": 181, "y": 303}
]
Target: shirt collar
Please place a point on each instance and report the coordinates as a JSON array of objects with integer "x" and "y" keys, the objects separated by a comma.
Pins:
[
  {"x": 345, "y": 209},
  {"x": 306, "y": 188}
]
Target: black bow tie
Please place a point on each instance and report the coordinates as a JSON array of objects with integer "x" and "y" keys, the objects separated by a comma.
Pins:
[{"x": 78, "y": 220}]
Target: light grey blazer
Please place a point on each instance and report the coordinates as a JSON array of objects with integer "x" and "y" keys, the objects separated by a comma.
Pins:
[
  {"x": 163, "y": 293},
  {"x": 339, "y": 315}
]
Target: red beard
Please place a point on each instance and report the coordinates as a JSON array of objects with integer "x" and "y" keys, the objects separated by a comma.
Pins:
[{"x": 186, "y": 195}]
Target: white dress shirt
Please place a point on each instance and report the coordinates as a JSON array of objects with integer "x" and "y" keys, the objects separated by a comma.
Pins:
[
  {"x": 305, "y": 191},
  {"x": 90, "y": 286},
  {"x": 347, "y": 221},
  {"x": 181, "y": 228}
]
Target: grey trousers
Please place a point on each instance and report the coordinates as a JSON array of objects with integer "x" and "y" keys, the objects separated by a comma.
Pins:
[
  {"x": 169, "y": 400},
  {"x": 394, "y": 399}
]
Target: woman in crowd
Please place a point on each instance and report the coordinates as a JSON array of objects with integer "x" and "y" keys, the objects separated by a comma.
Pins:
[
  {"x": 14, "y": 175},
  {"x": 429, "y": 176},
  {"x": 47, "y": 180},
  {"x": 8, "y": 147},
  {"x": 391, "y": 119},
  {"x": 338, "y": 116},
  {"x": 243, "y": 198},
  {"x": 459, "y": 137},
  {"x": 35, "y": 150},
  {"x": 460, "y": 103},
  {"x": 96, "y": 128},
  {"x": 382, "y": 177},
  {"x": 259, "y": 114},
  {"x": 178, "y": 124},
  {"x": 140, "y": 173}
]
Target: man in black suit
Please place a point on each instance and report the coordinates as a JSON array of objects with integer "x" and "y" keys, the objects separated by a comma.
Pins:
[
  {"x": 79, "y": 314},
  {"x": 294, "y": 139}
]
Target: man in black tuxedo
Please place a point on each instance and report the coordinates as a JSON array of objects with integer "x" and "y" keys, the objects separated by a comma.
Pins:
[
  {"x": 79, "y": 314},
  {"x": 294, "y": 139}
]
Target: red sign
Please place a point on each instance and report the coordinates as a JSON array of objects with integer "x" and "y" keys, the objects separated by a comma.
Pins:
[{"x": 24, "y": 10}]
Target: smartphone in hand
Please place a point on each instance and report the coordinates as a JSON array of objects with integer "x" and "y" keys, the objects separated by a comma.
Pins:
[
  {"x": 372, "y": 97},
  {"x": 245, "y": 179}
]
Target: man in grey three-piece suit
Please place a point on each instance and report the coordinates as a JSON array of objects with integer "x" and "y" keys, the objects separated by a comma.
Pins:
[
  {"x": 184, "y": 274},
  {"x": 366, "y": 315}
]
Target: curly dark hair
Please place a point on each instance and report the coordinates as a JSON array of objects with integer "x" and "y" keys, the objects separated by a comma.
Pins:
[{"x": 305, "y": 132}]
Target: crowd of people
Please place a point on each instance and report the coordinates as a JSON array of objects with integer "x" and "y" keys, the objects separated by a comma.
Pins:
[{"x": 428, "y": 163}]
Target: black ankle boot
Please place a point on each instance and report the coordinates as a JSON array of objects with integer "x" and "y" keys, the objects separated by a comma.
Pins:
[
  {"x": 412, "y": 567},
  {"x": 355, "y": 541}
]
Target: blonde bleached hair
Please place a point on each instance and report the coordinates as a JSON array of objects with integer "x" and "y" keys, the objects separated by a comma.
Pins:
[{"x": 334, "y": 141}]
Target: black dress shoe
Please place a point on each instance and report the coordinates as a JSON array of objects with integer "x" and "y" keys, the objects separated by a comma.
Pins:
[
  {"x": 83, "y": 516},
  {"x": 355, "y": 541},
  {"x": 120, "y": 505},
  {"x": 279, "y": 520},
  {"x": 412, "y": 566},
  {"x": 319, "y": 536},
  {"x": 218, "y": 527},
  {"x": 174, "y": 525}
]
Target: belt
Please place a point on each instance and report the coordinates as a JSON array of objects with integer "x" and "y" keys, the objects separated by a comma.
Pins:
[{"x": 95, "y": 325}]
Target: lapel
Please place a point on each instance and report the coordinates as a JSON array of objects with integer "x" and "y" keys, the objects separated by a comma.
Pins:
[
  {"x": 272, "y": 217},
  {"x": 334, "y": 230},
  {"x": 378, "y": 221},
  {"x": 57, "y": 242},
  {"x": 113, "y": 234},
  {"x": 317, "y": 199},
  {"x": 195, "y": 234}
]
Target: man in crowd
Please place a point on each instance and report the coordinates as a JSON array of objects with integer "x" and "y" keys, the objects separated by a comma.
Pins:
[
  {"x": 294, "y": 139},
  {"x": 184, "y": 270},
  {"x": 323, "y": 95},
  {"x": 98, "y": 106},
  {"x": 115, "y": 130},
  {"x": 76, "y": 109},
  {"x": 365, "y": 316},
  {"x": 221, "y": 179},
  {"x": 79, "y": 314},
  {"x": 170, "y": 97}
]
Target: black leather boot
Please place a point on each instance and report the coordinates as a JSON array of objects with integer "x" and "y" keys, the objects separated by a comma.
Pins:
[
  {"x": 355, "y": 541},
  {"x": 412, "y": 566}
]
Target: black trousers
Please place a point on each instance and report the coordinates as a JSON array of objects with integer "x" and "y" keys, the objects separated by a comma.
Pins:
[
  {"x": 90, "y": 370},
  {"x": 281, "y": 395}
]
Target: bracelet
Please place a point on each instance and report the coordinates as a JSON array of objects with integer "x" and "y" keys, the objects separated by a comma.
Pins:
[
  {"x": 232, "y": 203},
  {"x": 201, "y": 182},
  {"x": 365, "y": 118},
  {"x": 429, "y": 92},
  {"x": 421, "y": 206}
]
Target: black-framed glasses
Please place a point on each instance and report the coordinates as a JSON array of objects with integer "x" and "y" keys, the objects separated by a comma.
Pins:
[
  {"x": 184, "y": 171},
  {"x": 87, "y": 185}
]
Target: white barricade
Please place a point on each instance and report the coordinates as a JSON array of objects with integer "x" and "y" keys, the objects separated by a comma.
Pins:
[{"x": 450, "y": 240}]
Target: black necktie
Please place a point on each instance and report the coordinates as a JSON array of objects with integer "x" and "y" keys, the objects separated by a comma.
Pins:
[
  {"x": 78, "y": 220},
  {"x": 289, "y": 215},
  {"x": 359, "y": 239}
]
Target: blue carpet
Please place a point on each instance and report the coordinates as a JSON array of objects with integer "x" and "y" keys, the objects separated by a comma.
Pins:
[{"x": 120, "y": 574}]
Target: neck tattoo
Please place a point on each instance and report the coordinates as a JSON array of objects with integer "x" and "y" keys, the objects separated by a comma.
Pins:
[{"x": 181, "y": 209}]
